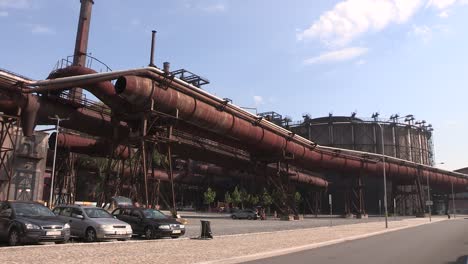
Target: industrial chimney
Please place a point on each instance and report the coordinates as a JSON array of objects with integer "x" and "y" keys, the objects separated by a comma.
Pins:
[{"x": 81, "y": 44}]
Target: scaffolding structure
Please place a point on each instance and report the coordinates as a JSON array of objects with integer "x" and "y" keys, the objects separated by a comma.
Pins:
[{"x": 9, "y": 136}]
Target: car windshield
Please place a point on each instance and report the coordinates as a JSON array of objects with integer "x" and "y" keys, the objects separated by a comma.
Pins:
[
  {"x": 31, "y": 209},
  {"x": 154, "y": 214},
  {"x": 97, "y": 213}
]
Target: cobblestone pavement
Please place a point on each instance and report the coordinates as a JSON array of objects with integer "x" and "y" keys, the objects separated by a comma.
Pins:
[{"x": 191, "y": 250}]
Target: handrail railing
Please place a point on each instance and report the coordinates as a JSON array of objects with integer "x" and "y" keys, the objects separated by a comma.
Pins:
[{"x": 68, "y": 61}]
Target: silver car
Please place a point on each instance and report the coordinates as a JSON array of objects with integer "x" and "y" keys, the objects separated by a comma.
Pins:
[{"x": 93, "y": 223}]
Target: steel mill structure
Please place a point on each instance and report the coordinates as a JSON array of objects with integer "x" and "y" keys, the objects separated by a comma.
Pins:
[{"x": 158, "y": 136}]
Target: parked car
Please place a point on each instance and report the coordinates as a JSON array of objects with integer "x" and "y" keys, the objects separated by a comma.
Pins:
[
  {"x": 30, "y": 222},
  {"x": 118, "y": 202},
  {"x": 92, "y": 223},
  {"x": 150, "y": 223},
  {"x": 245, "y": 214}
]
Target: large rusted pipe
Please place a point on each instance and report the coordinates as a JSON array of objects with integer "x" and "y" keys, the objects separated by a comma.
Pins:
[
  {"x": 36, "y": 110},
  {"x": 294, "y": 174},
  {"x": 104, "y": 90},
  {"x": 256, "y": 138},
  {"x": 88, "y": 146},
  {"x": 289, "y": 143}
]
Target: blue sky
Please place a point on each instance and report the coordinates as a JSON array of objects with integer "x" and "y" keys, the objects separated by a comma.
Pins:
[{"x": 292, "y": 57}]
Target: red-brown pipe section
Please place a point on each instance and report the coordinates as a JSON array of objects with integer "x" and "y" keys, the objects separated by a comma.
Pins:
[
  {"x": 88, "y": 146},
  {"x": 138, "y": 90},
  {"x": 37, "y": 110},
  {"x": 104, "y": 91}
]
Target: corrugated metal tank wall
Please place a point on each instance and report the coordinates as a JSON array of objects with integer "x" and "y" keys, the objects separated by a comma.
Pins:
[{"x": 403, "y": 141}]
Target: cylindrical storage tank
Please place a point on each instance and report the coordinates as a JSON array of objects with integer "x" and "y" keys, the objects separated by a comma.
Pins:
[{"x": 408, "y": 142}]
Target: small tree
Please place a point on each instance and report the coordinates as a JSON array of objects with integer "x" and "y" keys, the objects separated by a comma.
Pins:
[
  {"x": 236, "y": 197},
  {"x": 245, "y": 197},
  {"x": 209, "y": 197},
  {"x": 228, "y": 201},
  {"x": 267, "y": 200},
  {"x": 254, "y": 200},
  {"x": 297, "y": 199},
  {"x": 227, "y": 198}
]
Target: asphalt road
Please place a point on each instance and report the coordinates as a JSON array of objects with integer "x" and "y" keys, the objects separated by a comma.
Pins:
[
  {"x": 228, "y": 226},
  {"x": 442, "y": 243}
]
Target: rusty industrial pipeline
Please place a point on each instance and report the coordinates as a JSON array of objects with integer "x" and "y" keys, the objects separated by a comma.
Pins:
[
  {"x": 88, "y": 146},
  {"x": 101, "y": 148},
  {"x": 36, "y": 110},
  {"x": 255, "y": 134}
]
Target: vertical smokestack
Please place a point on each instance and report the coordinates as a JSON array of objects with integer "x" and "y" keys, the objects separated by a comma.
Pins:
[
  {"x": 153, "y": 42},
  {"x": 166, "y": 67},
  {"x": 81, "y": 44}
]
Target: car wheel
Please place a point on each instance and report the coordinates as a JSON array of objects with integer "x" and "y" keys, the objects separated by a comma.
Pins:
[
  {"x": 174, "y": 237},
  {"x": 249, "y": 217},
  {"x": 90, "y": 235},
  {"x": 149, "y": 233},
  {"x": 122, "y": 239},
  {"x": 13, "y": 238},
  {"x": 234, "y": 217}
]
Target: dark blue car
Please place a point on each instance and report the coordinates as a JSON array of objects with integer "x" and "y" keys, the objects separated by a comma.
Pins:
[{"x": 30, "y": 222}]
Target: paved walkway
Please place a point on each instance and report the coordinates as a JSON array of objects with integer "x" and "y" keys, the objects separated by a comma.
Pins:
[
  {"x": 222, "y": 249},
  {"x": 440, "y": 243}
]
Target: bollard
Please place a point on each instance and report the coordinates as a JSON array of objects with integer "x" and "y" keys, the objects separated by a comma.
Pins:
[{"x": 205, "y": 230}]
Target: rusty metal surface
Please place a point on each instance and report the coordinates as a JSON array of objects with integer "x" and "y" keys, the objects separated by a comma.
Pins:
[
  {"x": 138, "y": 90},
  {"x": 81, "y": 44},
  {"x": 36, "y": 110},
  {"x": 88, "y": 146},
  {"x": 104, "y": 90},
  {"x": 259, "y": 136}
]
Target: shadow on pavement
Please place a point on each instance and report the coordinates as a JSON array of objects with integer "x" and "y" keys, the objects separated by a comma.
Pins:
[{"x": 460, "y": 260}]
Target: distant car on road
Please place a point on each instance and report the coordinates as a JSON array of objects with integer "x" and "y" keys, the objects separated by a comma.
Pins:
[
  {"x": 30, "y": 222},
  {"x": 150, "y": 223},
  {"x": 92, "y": 223},
  {"x": 245, "y": 214}
]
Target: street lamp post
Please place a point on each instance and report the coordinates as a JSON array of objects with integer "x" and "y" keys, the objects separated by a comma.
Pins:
[
  {"x": 453, "y": 202},
  {"x": 57, "y": 126},
  {"x": 384, "y": 174},
  {"x": 453, "y": 194},
  {"x": 428, "y": 198}
]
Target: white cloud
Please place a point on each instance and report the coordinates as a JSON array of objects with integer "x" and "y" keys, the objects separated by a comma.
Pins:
[
  {"x": 440, "y": 4},
  {"x": 209, "y": 6},
  {"x": 216, "y": 8},
  {"x": 444, "y": 6},
  {"x": 41, "y": 29},
  {"x": 423, "y": 32},
  {"x": 258, "y": 100},
  {"x": 351, "y": 18},
  {"x": 3, "y": 13},
  {"x": 337, "y": 55},
  {"x": 444, "y": 14},
  {"x": 19, "y": 4},
  {"x": 361, "y": 62}
]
